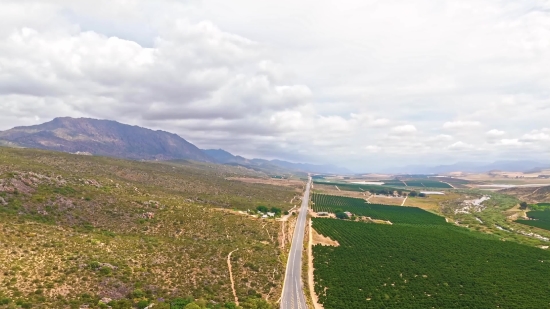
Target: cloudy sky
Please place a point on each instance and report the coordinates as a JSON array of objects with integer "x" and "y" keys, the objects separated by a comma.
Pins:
[{"x": 359, "y": 83}]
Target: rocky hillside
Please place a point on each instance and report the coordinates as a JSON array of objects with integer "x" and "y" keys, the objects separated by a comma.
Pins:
[
  {"x": 103, "y": 137},
  {"x": 530, "y": 194},
  {"x": 77, "y": 230}
]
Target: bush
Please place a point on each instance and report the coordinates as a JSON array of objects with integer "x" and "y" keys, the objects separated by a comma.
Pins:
[
  {"x": 262, "y": 208},
  {"x": 180, "y": 303},
  {"x": 142, "y": 304},
  {"x": 138, "y": 293},
  {"x": 94, "y": 265},
  {"x": 192, "y": 306}
]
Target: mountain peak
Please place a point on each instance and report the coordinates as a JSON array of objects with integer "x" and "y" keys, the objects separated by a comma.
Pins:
[{"x": 104, "y": 137}]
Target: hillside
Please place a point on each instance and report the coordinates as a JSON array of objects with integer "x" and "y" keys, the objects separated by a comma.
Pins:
[
  {"x": 76, "y": 229},
  {"x": 105, "y": 138},
  {"x": 530, "y": 194}
]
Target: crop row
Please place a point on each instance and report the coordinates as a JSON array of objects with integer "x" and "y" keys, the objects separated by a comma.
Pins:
[
  {"x": 415, "y": 266},
  {"x": 539, "y": 218},
  {"x": 355, "y": 187},
  {"x": 394, "y": 214}
]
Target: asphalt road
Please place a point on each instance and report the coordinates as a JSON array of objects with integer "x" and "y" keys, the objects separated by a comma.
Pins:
[{"x": 293, "y": 292}]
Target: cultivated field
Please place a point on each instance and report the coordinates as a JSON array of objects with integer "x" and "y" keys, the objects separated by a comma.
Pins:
[
  {"x": 358, "y": 207},
  {"x": 425, "y": 266},
  {"x": 539, "y": 218}
]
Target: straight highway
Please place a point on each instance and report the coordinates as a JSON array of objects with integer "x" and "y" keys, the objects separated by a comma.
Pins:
[{"x": 293, "y": 293}]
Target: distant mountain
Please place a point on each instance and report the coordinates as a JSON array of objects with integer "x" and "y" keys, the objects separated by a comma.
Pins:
[
  {"x": 114, "y": 139},
  {"x": 472, "y": 167},
  {"x": 223, "y": 157},
  {"x": 103, "y": 137}
]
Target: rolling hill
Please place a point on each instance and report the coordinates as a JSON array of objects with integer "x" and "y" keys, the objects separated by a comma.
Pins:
[{"x": 78, "y": 229}]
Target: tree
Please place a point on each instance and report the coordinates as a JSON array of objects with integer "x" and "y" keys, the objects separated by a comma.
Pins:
[
  {"x": 262, "y": 208},
  {"x": 180, "y": 303},
  {"x": 342, "y": 215},
  {"x": 523, "y": 205},
  {"x": 421, "y": 194},
  {"x": 413, "y": 194},
  {"x": 276, "y": 211}
]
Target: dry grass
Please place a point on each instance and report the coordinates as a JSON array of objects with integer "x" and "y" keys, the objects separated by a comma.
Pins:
[
  {"x": 75, "y": 229},
  {"x": 331, "y": 190},
  {"x": 432, "y": 202},
  {"x": 384, "y": 200}
]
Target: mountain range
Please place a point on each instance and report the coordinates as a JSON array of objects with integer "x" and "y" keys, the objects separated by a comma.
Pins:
[
  {"x": 114, "y": 139},
  {"x": 473, "y": 167},
  {"x": 224, "y": 157}
]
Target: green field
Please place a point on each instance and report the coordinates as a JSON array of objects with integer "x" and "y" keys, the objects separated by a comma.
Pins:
[
  {"x": 425, "y": 183},
  {"x": 419, "y": 266},
  {"x": 355, "y": 187},
  {"x": 394, "y": 214},
  {"x": 388, "y": 185},
  {"x": 394, "y": 183},
  {"x": 540, "y": 219}
]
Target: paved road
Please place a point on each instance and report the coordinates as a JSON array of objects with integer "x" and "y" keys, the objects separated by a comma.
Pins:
[{"x": 293, "y": 292}]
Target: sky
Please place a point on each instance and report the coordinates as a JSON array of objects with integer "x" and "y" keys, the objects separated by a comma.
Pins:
[{"x": 361, "y": 84}]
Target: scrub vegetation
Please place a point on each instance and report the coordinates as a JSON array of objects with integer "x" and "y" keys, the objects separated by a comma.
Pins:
[{"x": 78, "y": 229}]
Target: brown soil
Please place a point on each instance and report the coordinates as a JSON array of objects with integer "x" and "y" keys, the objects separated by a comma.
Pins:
[
  {"x": 310, "y": 279},
  {"x": 319, "y": 239},
  {"x": 371, "y": 220},
  {"x": 271, "y": 181},
  {"x": 231, "y": 277},
  {"x": 386, "y": 200},
  {"x": 515, "y": 212},
  {"x": 331, "y": 190}
]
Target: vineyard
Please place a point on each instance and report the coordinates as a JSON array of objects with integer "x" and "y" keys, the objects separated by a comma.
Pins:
[
  {"x": 425, "y": 183},
  {"x": 388, "y": 184},
  {"x": 394, "y": 214},
  {"x": 394, "y": 183},
  {"x": 540, "y": 219},
  {"x": 417, "y": 266},
  {"x": 354, "y": 187}
]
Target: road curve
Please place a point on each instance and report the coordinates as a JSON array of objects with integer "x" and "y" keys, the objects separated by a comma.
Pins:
[{"x": 293, "y": 292}]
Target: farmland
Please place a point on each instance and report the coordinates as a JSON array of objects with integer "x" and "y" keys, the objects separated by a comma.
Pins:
[
  {"x": 388, "y": 185},
  {"x": 394, "y": 214},
  {"x": 356, "y": 187},
  {"x": 425, "y": 266},
  {"x": 426, "y": 183},
  {"x": 539, "y": 218}
]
